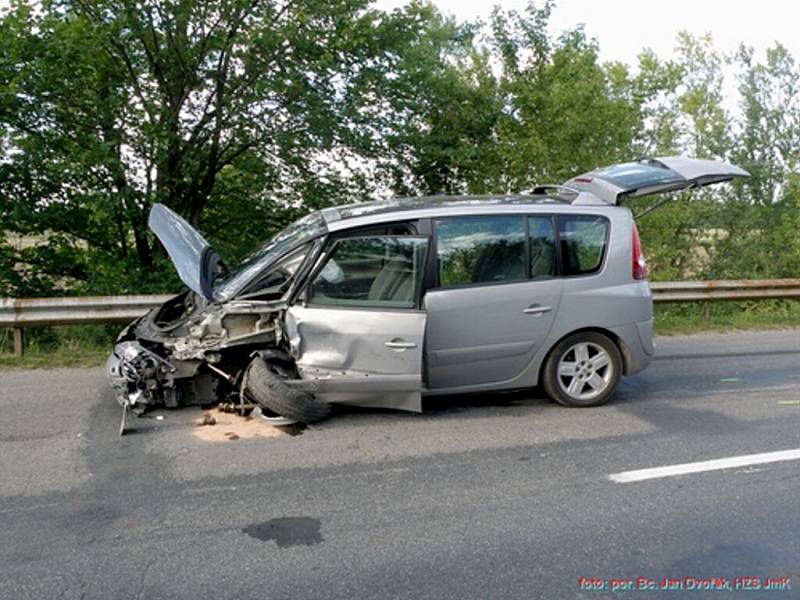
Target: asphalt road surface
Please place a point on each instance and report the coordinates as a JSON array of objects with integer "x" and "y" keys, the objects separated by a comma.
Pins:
[{"x": 506, "y": 496}]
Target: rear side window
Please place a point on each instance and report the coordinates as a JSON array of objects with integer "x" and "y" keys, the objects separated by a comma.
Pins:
[
  {"x": 488, "y": 249},
  {"x": 583, "y": 240}
]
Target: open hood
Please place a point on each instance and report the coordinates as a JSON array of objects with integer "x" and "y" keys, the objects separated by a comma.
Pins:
[
  {"x": 194, "y": 259},
  {"x": 651, "y": 176}
]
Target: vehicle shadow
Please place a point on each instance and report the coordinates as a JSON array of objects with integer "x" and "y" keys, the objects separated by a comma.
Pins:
[{"x": 477, "y": 405}]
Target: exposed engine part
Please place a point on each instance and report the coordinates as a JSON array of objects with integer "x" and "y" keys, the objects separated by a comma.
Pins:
[
  {"x": 220, "y": 372},
  {"x": 139, "y": 376},
  {"x": 230, "y": 326},
  {"x": 159, "y": 359},
  {"x": 240, "y": 408},
  {"x": 142, "y": 379}
]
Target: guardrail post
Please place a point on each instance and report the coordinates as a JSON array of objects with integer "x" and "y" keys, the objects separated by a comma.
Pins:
[
  {"x": 19, "y": 341},
  {"x": 706, "y": 312}
]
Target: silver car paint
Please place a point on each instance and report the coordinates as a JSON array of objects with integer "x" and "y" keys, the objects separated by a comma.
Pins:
[
  {"x": 477, "y": 338},
  {"x": 482, "y": 334},
  {"x": 359, "y": 356},
  {"x": 183, "y": 244},
  {"x": 609, "y": 301},
  {"x": 687, "y": 172}
]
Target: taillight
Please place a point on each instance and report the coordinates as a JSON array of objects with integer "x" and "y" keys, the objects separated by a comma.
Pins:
[{"x": 639, "y": 265}]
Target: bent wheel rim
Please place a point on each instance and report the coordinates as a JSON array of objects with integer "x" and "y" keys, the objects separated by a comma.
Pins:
[
  {"x": 585, "y": 371},
  {"x": 274, "y": 419}
]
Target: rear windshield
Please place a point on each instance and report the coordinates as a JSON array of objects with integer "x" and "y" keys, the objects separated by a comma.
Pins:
[{"x": 635, "y": 175}]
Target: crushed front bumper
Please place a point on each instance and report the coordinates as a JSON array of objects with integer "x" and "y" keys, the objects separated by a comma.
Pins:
[{"x": 138, "y": 376}]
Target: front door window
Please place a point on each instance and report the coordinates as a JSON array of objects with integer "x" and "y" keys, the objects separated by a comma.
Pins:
[{"x": 380, "y": 272}]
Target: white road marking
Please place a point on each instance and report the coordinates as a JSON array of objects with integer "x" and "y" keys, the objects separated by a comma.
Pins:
[{"x": 706, "y": 465}]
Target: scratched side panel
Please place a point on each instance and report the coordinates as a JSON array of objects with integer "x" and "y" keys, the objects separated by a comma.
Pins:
[{"x": 342, "y": 356}]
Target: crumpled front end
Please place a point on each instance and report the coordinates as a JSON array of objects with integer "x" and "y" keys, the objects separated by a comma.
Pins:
[
  {"x": 140, "y": 377},
  {"x": 188, "y": 351}
]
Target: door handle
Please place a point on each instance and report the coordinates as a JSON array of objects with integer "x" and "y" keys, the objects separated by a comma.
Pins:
[
  {"x": 399, "y": 344},
  {"x": 536, "y": 309}
]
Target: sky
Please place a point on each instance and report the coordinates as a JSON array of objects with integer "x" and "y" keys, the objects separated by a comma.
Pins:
[{"x": 624, "y": 27}]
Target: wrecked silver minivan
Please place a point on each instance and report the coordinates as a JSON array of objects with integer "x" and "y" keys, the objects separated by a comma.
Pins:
[{"x": 378, "y": 304}]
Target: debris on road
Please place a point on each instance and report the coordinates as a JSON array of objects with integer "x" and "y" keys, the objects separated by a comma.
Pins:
[
  {"x": 122, "y": 421},
  {"x": 207, "y": 420},
  {"x": 242, "y": 408},
  {"x": 230, "y": 427}
]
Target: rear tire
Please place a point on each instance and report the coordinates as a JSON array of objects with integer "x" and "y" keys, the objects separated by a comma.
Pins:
[
  {"x": 271, "y": 392},
  {"x": 583, "y": 370}
]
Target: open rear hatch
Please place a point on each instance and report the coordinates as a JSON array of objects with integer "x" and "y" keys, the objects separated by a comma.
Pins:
[{"x": 653, "y": 175}]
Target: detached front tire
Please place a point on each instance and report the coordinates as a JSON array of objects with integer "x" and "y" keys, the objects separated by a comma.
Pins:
[
  {"x": 583, "y": 370},
  {"x": 269, "y": 391}
]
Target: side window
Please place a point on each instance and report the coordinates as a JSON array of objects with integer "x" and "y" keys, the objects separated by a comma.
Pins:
[
  {"x": 543, "y": 247},
  {"x": 583, "y": 241},
  {"x": 381, "y": 271},
  {"x": 487, "y": 249}
]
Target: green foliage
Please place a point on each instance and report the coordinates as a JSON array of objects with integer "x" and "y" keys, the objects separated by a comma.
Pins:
[
  {"x": 48, "y": 347},
  {"x": 243, "y": 116},
  {"x": 239, "y": 115},
  {"x": 726, "y": 316}
]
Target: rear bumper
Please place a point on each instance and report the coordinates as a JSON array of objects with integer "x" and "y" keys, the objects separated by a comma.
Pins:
[{"x": 636, "y": 343}]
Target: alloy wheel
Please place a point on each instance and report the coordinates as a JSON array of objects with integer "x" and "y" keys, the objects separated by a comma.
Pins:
[{"x": 585, "y": 371}]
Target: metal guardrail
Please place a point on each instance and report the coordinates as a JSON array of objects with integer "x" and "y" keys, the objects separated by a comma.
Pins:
[
  {"x": 36, "y": 312},
  {"x": 19, "y": 313},
  {"x": 736, "y": 289}
]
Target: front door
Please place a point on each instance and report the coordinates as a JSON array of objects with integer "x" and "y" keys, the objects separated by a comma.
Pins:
[
  {"x": 357, "y": 338},
  {"x": 496, "y": 298}
]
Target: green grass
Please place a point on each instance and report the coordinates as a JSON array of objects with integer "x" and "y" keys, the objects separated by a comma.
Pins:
[
  {"x": 50, "y": 347},
  {"x": 68, "y": 355},
  {"x": 88, "y": 345},
  {"x": 673, "y": 319}
]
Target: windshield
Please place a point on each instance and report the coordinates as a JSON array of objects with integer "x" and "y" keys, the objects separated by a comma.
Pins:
[{"x": 310, "y": 226}]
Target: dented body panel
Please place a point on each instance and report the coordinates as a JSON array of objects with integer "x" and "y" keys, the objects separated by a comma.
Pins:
[{"x": 358, "y": 357}]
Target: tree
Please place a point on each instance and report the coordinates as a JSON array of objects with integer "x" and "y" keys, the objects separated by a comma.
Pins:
[
  {"x": 240, "y": 113},
  {"x": 244, "y": 114}
]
